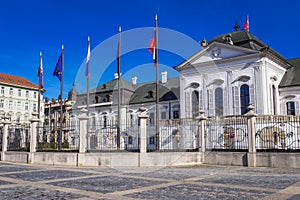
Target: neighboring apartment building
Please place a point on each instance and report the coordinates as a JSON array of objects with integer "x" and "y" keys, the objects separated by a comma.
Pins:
[{"x": 19, "y": 99}]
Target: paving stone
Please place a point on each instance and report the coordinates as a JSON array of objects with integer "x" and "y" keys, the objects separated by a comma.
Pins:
[
  {"x": 178, "y": 173},
  {"x": 192, "y": 191},
  {"x": 254, "y": 180},
  {"x": 45, "y": 175},
  {"x": 294, "y": 197},
  {"x": 106, "y": 184},
  {"x": 14, "y": 168},
  {"x": 30, "y": 193}
]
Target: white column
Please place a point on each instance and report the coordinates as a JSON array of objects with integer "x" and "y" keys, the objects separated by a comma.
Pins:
[
  {"x": 251, "y": 136},
  {"x": 143, "y": 129},
  {"x": 6, "y": 122},
  {"x": 202, "y": 121},
  {"x": 33, "y": 138},
  {"x": 83, "y": 118}
]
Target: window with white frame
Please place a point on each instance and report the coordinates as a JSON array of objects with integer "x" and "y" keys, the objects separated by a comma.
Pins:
[
  {"x": 151, "y": 118},
  {"x": 27, "y": 93},
  {"x": 219, "y": 101},
  {"x": 195, "y": 103},
  {"x": 18, "y": 104},
  {"x": 19, "y": 92},
  {"x": 10, "y": 104},
  {"x": 34, "y": 95},
  {"x": 245, "y": 98},
  {"x": 290, "y": 108},
  {"x": 26, "y": 106},
  {"x": 34, "y": 107},
  {"x": 11, "y": 91},
  {"x": 1, "y": 103},
  {"x": 2, "y": 90}
]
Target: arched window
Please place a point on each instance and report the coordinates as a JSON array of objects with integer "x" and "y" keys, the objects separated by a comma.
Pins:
[
  {"x": 290, "y": 108},
  {"x": 219, "y": 101},
  {"x": 245, "y": 98},
  {"x": 195, "y": 103}
]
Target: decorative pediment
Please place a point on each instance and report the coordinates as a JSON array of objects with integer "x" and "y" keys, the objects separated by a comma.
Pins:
[{"x": 216, "y": 51}]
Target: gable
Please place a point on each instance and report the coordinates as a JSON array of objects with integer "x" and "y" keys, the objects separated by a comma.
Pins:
[
  {"x": 216, "y": 51},
  {"x": 219, "y": 51}
]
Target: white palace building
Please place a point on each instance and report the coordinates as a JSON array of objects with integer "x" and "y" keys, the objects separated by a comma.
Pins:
[
  {"x": 223, "y": 78},
  {"x": 230, "y": 72}
]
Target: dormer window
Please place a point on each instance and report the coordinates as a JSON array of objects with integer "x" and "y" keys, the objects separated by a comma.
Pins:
[{"x": 150, "y": 94}]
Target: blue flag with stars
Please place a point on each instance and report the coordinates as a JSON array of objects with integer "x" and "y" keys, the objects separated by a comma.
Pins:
[{"x": 58, "y": 68}]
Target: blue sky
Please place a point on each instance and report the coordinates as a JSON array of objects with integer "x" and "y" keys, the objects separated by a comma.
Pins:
[{"x": 31, "y": 26}]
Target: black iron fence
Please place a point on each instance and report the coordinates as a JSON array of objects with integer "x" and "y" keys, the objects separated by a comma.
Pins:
[
  {"x": 1, "y": 136},
  {"x": 175, "y": 135},
  {"x": 277, "y": 133},
  {"x": 103, "y": 136},
  {"x": 49, "y": 139},
  {"x": 18, "y": 138},
  {"x": 227, "y": 133}
]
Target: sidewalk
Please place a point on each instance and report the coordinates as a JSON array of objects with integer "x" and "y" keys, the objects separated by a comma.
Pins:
[{"x": 199, "y": 182}]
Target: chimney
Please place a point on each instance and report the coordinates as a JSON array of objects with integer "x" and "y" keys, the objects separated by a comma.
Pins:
[
  {"x": 116, "y": 75},
  {"x": 134, "y": 79},
  {"x": 164, "y": 77}
]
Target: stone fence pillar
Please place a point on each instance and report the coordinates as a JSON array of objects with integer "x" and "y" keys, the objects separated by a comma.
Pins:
[
  {"x": 6, "y": 122},
  {"x": 33, "y": 138},
  {"x": 83, "y": 120},
  {"x": 202, "y": 135},
  {"x": 143, "y": 129},
  {"x": 251, "y": 117}
]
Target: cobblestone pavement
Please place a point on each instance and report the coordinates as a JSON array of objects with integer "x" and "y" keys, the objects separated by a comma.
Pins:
[{"x": 20, "y": 181}]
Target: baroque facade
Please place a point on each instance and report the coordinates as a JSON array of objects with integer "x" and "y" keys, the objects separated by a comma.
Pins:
[{"x": 234, "y": 70}]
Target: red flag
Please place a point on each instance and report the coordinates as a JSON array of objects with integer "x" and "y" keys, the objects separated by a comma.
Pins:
[
  {"x": 246, "y": 25},
  {"x": 151, "y": 45}
]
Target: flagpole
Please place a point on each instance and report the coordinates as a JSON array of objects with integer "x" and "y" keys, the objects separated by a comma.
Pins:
[
  {"x": 61, "y": 99},
  {"x": 88, "y": 81},
  {"x": 119, "y": 90},
  {"x": 156, "y": 85},
  {"x": 39, "y": 92}
]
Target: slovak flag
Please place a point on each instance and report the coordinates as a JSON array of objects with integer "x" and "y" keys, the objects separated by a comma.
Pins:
[
  {"x": 40, "y": 73},
  {"x": 246, "y": 25},
  {"x": 151, "y": 47},
  {"x": 88, "y": 57}
]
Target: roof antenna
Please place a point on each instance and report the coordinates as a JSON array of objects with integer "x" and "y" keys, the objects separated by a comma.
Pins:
[{"x": 236, "y": 26}]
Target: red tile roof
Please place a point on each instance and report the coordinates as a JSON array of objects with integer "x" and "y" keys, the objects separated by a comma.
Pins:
[{"x": 17, "y": 80}]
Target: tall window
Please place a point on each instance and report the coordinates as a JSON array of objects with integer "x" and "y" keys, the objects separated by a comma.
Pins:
[
  {"x": 175, "y": 114},
  {"x": 219, "y": 101},
  {"x": 274, "y": 99},
  {"x": 34, "y": 95},
  {"x": 26, "y": 106},
  {"x": 27, "y": 93},
  {"x": 11, "y": 91},
  {"x": 19, "y": 104},
  {"x": 245, "y": 98},
  {"x": 1, "y": 103},
  {"x": 163, "y": 115},
  {"x": 151, "y": 118},
  {"x": 34, "y": 107},
  {"x": 10, "y": 104},
  {"x": 19, "y": 92},
  {"x": 195, "y": 103},
  {"x": 290, "y": 108},
  {"x": 2, "y": 90}
]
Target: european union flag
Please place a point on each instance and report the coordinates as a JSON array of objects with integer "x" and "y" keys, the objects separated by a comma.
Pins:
[{"x": 58, "y": 68}]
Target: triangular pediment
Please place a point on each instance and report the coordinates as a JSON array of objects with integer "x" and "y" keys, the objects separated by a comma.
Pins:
[{"x": 217, "y": 51}]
